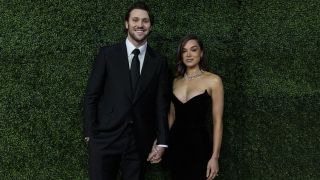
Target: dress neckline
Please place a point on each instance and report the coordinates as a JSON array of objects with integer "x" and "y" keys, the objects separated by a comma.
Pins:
[{"x": 194, "y": 97}]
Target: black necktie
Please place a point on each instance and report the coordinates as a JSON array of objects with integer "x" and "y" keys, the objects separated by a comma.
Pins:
[{"x": 135, "y": 69}]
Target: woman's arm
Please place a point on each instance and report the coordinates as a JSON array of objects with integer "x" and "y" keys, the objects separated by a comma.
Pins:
[
  {"x": 217, "y": 96},
  {"x": 171, "y": 115}
]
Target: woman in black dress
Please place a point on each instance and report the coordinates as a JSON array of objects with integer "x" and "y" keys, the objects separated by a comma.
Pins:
[{"x": 193, "y": 154}]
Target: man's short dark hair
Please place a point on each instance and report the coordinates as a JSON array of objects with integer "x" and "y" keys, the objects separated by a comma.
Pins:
[{"x": 139, "y": 5}]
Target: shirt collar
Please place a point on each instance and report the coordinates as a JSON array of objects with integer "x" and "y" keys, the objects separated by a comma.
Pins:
[{"x": 131, "y": 47}]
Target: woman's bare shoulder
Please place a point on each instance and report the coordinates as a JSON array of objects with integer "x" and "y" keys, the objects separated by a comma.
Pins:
[
  {"x": 212, "y": 78},
  {"x": 177, "y": 80}
]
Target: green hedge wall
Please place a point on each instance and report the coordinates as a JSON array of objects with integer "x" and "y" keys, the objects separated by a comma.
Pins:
[
  {"x": 266, "y": 52},
  {"x": 280, "y": 41}
]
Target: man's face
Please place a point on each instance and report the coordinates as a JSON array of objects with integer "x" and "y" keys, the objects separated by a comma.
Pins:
[{"x": 138, "y": 26}]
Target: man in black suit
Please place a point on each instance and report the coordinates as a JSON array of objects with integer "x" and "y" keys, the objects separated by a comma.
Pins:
[{"x": 126, "y": 103}]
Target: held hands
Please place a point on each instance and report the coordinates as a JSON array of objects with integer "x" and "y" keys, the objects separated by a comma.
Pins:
[
  {"x": 212, "y": 168},
  {"x": 155, "y": 154}
]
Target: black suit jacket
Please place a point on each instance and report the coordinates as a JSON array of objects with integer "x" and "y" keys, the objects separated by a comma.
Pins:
[{"x": 110, "y": 105}]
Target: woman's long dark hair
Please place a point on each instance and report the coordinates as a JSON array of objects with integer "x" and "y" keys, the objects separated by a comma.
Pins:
[{"x": 181, "y": 67}]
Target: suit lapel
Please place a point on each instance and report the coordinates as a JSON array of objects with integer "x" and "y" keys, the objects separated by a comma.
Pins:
[
  {"x": 124, "y": 67},
  {"x": 147, "y": 72}
]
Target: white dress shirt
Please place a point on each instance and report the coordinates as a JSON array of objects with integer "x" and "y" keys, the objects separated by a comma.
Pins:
[{"x": 131, "y": 47}]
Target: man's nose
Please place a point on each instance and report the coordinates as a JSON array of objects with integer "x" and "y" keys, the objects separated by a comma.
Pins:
[{"x": 140, "y": 23}]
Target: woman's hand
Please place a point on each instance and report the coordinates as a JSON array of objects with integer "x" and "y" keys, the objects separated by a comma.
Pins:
[{"x": 212, "y": 168}]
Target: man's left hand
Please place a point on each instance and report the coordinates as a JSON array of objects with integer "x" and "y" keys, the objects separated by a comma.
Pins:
[{"x": 155, "y": 154}]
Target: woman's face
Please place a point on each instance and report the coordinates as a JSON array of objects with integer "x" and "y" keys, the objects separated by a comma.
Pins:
[{"x": 191, "y": 53}]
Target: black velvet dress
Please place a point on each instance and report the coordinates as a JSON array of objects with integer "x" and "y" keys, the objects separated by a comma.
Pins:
[{"x": 190, "y": 145}]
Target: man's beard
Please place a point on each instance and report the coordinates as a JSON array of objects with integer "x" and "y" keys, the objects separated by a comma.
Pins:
[{"x": 136, "y": 38}]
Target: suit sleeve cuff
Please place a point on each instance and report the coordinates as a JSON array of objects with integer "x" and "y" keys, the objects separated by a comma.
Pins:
[{"x": 162, "y": 145}]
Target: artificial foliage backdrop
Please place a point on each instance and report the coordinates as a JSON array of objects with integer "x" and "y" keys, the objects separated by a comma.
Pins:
[{"x": 267, "y": 53}]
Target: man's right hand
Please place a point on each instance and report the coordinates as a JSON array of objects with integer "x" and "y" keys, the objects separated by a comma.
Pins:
[{"x": 86, "y": 139}]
